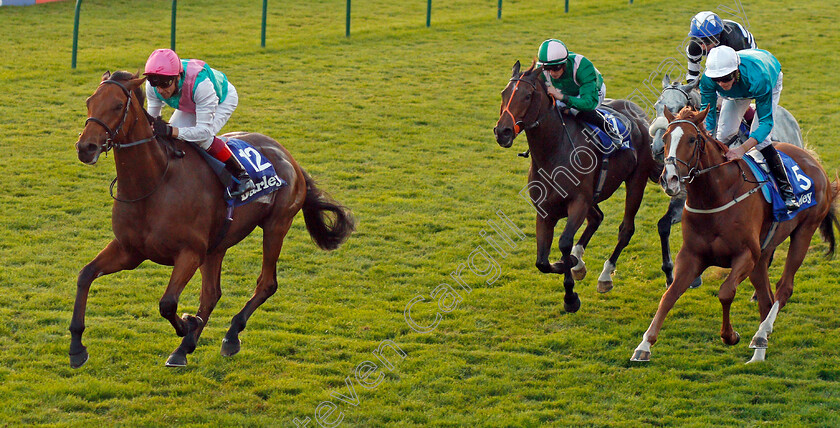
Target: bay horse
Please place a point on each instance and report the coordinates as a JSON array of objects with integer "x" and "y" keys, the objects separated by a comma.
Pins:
[
  {"x": 170, "y": 210},
  {"x": 675, "y": 96},
  {"x": 725, "y": 224},
  {"x": 565, "y": 173}
]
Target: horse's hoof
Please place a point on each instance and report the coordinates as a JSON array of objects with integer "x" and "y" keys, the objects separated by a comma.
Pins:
[
  {"x": 573, "y": 306},
  {"x": 758, "y": 343},
  {"x": 78, "y": 360},
  {"x": 697, "y": 282},
  {"x": 733, "y": 342},
  {"x": 579, "y": 274},
  {"x": 177, "y": 359},
  {"x": 640, "y": 355},
  {"x": 604, "y": 286},
  {"x": 230, "y": 347}
]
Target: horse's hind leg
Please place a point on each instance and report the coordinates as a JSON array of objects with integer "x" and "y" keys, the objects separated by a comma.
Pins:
[
  {"x": 800, "y": 239},
  {"x": 211, "y": 292},
  {"x": 186, "y": 264},
  {"x": 266, "y": 283},
  {"x": 593, "y": 221},
  {"x": 113, "y": 258}
]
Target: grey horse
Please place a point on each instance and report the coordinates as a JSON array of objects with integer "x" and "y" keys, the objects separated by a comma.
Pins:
[{"x": 675, "y": 96}]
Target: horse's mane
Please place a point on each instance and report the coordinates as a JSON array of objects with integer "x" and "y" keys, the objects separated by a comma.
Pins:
[
  {"x": 124, "y": 76},
  {"x": 687, "y": 113}
]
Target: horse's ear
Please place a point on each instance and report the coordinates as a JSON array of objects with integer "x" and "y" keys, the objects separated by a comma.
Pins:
[
  {"x": 106, "y": 75},
  {"x": 693, "y": 84},
  {"x": 666, "y": 80},
  {"x": 700, "y": 117},
  {"x": 135, "y": 83},
  {"x": 516, "y": 68},
  {"x": 668, "y": 114}
]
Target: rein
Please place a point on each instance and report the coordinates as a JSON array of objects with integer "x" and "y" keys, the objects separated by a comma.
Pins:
[
  {"x": 694, "y": 172},
  {"x": 110, "y": 143}
]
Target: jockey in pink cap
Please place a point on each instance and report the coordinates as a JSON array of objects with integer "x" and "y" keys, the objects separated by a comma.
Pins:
[{"x": 203, "y": 100}]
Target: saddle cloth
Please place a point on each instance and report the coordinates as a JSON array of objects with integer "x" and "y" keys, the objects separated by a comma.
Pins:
[
  {"x": 802, "y": 185},
  {"x": 257, "y": 165},
  {"x": 620, "y": 124}
]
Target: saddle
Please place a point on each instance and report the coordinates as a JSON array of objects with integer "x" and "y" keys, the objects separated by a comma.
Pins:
[
  {"x": 618, "y": 137},
  {"x": 257, "y": 166},
  {"x": 801, "y": 184}
]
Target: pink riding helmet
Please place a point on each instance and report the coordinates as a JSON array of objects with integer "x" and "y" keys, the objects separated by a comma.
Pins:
[{"x": 164, "y": 62}]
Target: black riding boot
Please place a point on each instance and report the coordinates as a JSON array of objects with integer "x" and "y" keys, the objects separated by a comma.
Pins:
[
  {"x": 774, "y": 161},
  {"x": 596, "y": 118},
  {"x": 243, "y": 181}
]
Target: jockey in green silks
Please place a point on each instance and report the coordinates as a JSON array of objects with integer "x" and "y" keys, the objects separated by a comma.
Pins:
[{"x": 575, "y": 83}]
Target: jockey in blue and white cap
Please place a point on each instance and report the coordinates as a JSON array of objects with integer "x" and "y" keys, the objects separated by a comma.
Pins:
[{"x": 707, "y": 31}]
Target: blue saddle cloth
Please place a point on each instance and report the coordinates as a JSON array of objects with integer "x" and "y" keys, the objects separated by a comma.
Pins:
[
  {"x": 607, "y": 146},
  {"x": 258, "y": 167},
  {"x": 802, "y": 185}
]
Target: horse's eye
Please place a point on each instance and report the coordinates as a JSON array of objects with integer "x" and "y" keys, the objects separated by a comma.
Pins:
[
  {"x": 528, "y": 97},
  {"x": 118, "y": 107}
]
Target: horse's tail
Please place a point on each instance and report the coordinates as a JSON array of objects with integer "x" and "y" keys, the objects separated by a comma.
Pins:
[
  {"x": 327, "y": 231},
  {"x": 830, "y": 221}
]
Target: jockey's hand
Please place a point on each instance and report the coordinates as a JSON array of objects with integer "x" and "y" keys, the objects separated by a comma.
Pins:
[
  {"x": 554, "y": 92},
  {"x": 736, "y": 153},
  {"x": 161, "y": 128}
]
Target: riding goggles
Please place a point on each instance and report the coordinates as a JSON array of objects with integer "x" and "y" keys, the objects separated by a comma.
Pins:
[{"x": 161, "y": 81}]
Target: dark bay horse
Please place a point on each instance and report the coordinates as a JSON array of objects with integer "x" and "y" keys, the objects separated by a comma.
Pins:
[
  {"x": 675, "y": 96},
  {"x": 170, "y": 210},
  {"x": 725, "y": 224},
  {"x": 565, "y": 172}
]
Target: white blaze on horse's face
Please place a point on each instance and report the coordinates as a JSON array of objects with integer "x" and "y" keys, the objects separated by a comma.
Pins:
[{"x": 672, "y": 174}]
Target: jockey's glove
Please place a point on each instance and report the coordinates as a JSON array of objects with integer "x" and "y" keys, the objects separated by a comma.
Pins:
[{"x": 161, "y": 128}]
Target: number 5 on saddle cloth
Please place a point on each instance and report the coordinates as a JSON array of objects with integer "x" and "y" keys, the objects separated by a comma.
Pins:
[{"x": 257, "y": 165}]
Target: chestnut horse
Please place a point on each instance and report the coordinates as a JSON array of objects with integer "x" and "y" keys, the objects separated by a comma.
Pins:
[
  {"x": 726, "y": 224},
  {"x": 565, "y": 173},
  {"x": 170, "y": 210}
]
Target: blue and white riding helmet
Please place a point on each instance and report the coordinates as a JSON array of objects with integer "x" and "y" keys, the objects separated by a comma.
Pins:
[{"x": 705, "y": 24}]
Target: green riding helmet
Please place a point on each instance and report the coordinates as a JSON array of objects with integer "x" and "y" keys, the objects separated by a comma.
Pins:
[{"x": 552, "y": 52}]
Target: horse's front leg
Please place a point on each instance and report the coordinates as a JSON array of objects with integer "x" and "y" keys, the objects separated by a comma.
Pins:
[
  {"x": 545, "y": 236},
  {"x": 742, "y": 266},
  {"x": 671, "y": 217},
  {"x": 688, "y": 267},
  {"x": 578, "y": 211},
  {"x": 113, "y": 258},
  {"x": 593, "y": 221},
  {"x": 186, "y": 264}
]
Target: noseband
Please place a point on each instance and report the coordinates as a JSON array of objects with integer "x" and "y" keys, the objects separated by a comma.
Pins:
[
  {"x": 518, "y": 124},
  {"x": 699, "y": 149},
  {"x": 112, "y": 133}
]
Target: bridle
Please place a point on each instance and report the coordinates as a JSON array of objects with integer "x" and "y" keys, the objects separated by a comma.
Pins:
[
  {"x": 112, "y": 133},
  {"x": 111, "y": 143},
  {"x": 518, "y": 126},
  {"x": 694, "y": 171},
  {"x": 698, "y": 150},
  {"x": 680, "y": 90}
]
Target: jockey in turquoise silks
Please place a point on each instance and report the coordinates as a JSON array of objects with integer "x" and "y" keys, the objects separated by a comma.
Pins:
[
  {"x": 203, "y": 100},
  {"x": 575, "y": 83},
  {"x": 740, "y": 77}
]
